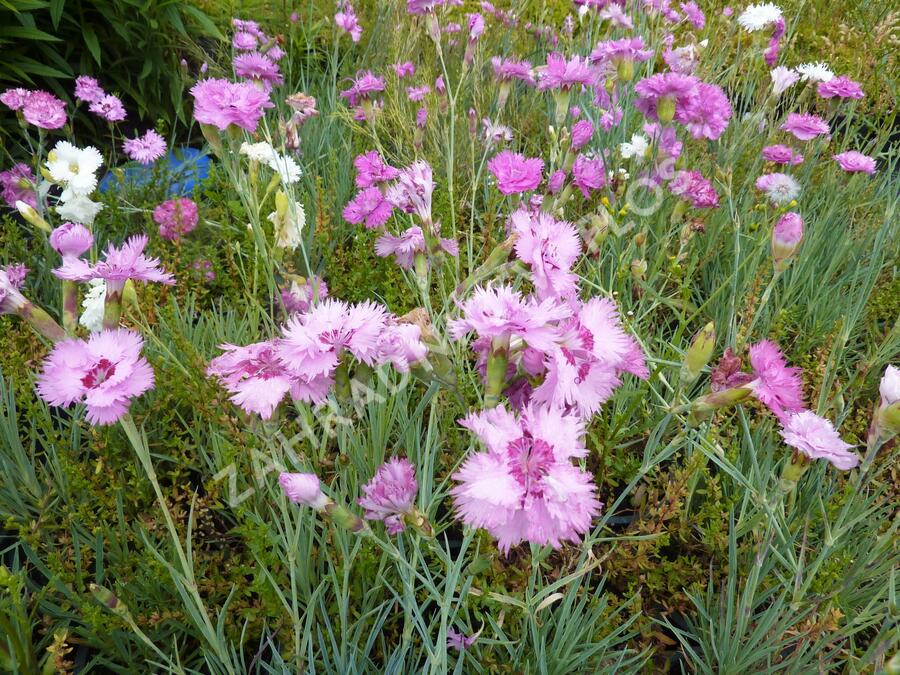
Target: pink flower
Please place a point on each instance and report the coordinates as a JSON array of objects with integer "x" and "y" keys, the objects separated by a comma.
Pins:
[
  {"x": 805, "y": 127},
  {"x": 694, "y": 14},
  {"x": 780, "y": 188},
  {"x": 776, "y": 385},
  {"x": 412, "y": 191},
  {"x": 405, "y": 69},
  {"x": 556, "y": 181},
  {"x": 71, "y": 240},
  {"x": 588, "y": 174},
  {"x": 525, "y": 487},
  {"x": 671, "y": 90},
  {"x": 515, "y": 173},
  {"x": 44, "y": 110},
  {"x": 145, "y": 149},
  {"x": 400, "y": 344},
  {"x": 369, "y": 207},
  {"x": 549, "y": 247},
  {"x": 840, "y": 87},
  {"x": 346, "y": 20},
  {"x": 371, "y": 170},
  {"x": 506, "y": 70},
  {"x": 781, "y": 154},
  {"x": 786, "y": 236},
  {"x": 562, "y": 74},
  {"x": 403, "y": 248},
  {"x": 222, "y": 103},
  {"x": 500, "y": 312},
  {"x": 104, "y": 372},
  {"x": 118, "y": 266},
  {"x": 770, "y": 56},
  {"x": 259, "y": 68},
  {"x": 581, "y": 134},
  {"x": 14, "y": 99},
  {"x": 708, "y": 117},
  {"x": 363, "y": 86},
  {"x": 108, "y": 107},
  {"x": 627, "y": 49},
  {"x": 17, "y": 184},
  {"x": 244, "y": 41},
  {"x": 175, "y": 217},
  {"x": 303, "y": 488},
  {"x": 694, "y": 188},
  {"x": 253, "y": 375},
  {"x": 390, "y": 494},
  {"x": 816, "y": 438},
  {"x": 87, "y": 89},
  {"x": 417, "y": 93},
  {"x": 11, "y": 300},
  {"x": 459, "y": 641},
  {"x": 855, "y": 162}
]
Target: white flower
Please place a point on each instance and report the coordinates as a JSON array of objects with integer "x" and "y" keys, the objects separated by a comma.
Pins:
[
  {"x": 288, "y": 230},
  {"x": 258, "y": 152},
  {"x": 782, "y": 189},
  {"x": 782, "y": 79},
  {"x": 890, "y": 386},
  {"x": 757, "y": 17},
  {"x": 74, "y": 168},
  {"x": 79, "y": 210},
  {"x": 287, "y": 168},
  {"x": 638, "y": 147},
  {"x": 92, "y": 306},
  {"x": 815, "y": 72}
]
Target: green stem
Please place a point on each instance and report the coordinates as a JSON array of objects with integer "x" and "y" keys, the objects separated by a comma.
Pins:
[{"x": 69, "y": 306}]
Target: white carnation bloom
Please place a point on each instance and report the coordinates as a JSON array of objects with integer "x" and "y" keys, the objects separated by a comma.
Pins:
[
  {"x": 92, "y": 306},
  {"x": 74, "y": 169},
  {"x": 815, "y": 72},
  {"x": 286, "y": 167},
  {"x": 757, "y": 17},
  {"x": 79, "y": 210},
  {"x": 289, "y": 230},
  {"x": 638, "y": 147},
  {"x": 258, "y": 152},
  {"x": 783, "y": 78}
]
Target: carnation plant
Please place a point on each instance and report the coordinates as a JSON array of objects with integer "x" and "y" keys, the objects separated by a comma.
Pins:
[{"x": 493, "y": 342}]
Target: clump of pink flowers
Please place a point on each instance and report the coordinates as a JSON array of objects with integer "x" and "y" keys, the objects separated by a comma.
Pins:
[
  {"x": 37, "y": 107},
  {"x": 176, "y": 217},
  {"x": 221, "y": 103}
]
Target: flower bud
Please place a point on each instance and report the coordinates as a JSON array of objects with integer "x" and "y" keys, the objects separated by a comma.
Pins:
[
  {"x": 887, "y": 417},
  {"x": 71, "y": 239},
  {"x": 30, "y": 214},
  {"x": 109, "y": 600},
  {"x": 699, "y": 354},
  {"x": 665, "y": 109},
  {"x": 703, "y": 407},
  {"x": 786, "y": 236},
  {"x": 625, "y": 70},
  {"x": 304, "y": 488}
]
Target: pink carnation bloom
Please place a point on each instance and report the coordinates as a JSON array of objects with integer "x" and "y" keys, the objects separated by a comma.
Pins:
[
  {"x": 17, "y": 184},
  {"x": 840, "y": 87},
  {"x": 244, "y": 41},
  {"x": 44, "y": 110},
  {"x": 15, "y": 98},
  {"x": 805, "y": 127},
  {"x": 583, "y": 370},
  {"x": 87, "y": 89},
  {"x": 855, "y": 162},
  {"x": 581, "y": 134},
  {"x": 816, "y": 438},
  {"x": 253, "y": 375},
  {"x": 104, "y": 372},
  {"x": 500, "y": 312},
  {"x": 222, "y": 103},
  {"x": 405, "y": 69},
  {"x": 368, "y": 207},
  {"x": 556, "y": 181},
  {"x": 175, "y": 217},
  {"x": 108, "y": 107},
  {"x": 683, "y": 90},
  {"x": 405, "y": 247},
  {"x": 417, "y": 93},
  {"x": 118, "y": 266},
  {"x": 412, "y": 191},
  {"x": 259, "y": 68},
  {"x": 516, "y": 173},
  {"x": 71, "y": 240},
  {"x": 400, "y": 344},
  {"x": 371, "y": 170},
  {"x": 560, "y": 73},
  {"x": 708, "y": 117},
  {"x": 694, "y": 14},
  {"x": 303, "y": 488},
  {"x": 525, "y": 487},
  {"x": 588, "y": 174},
  {"x": 550, "y": 248},
  {"x": 694, "y": 188},
  {"x": 776, "y": 385},
  {"x": 363, "y": 86},
  {"x": 627, "y": 49},
  {"x": 506, "y": 70},
  {"x": 346, "y": 20},
  {"x": 145, "y": 149},
  {"x": 11, "y": 300},
  {"x": 460, "y": 641},
  {"x": 781, "y": 154},
  {"x": 390, "y": 494}
]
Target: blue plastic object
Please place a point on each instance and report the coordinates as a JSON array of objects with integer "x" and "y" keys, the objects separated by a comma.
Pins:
[{"x": 184, "y": 168}]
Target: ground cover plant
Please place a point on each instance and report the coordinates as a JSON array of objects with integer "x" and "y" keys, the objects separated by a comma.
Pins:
[{"x": 449, "y": 336}]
